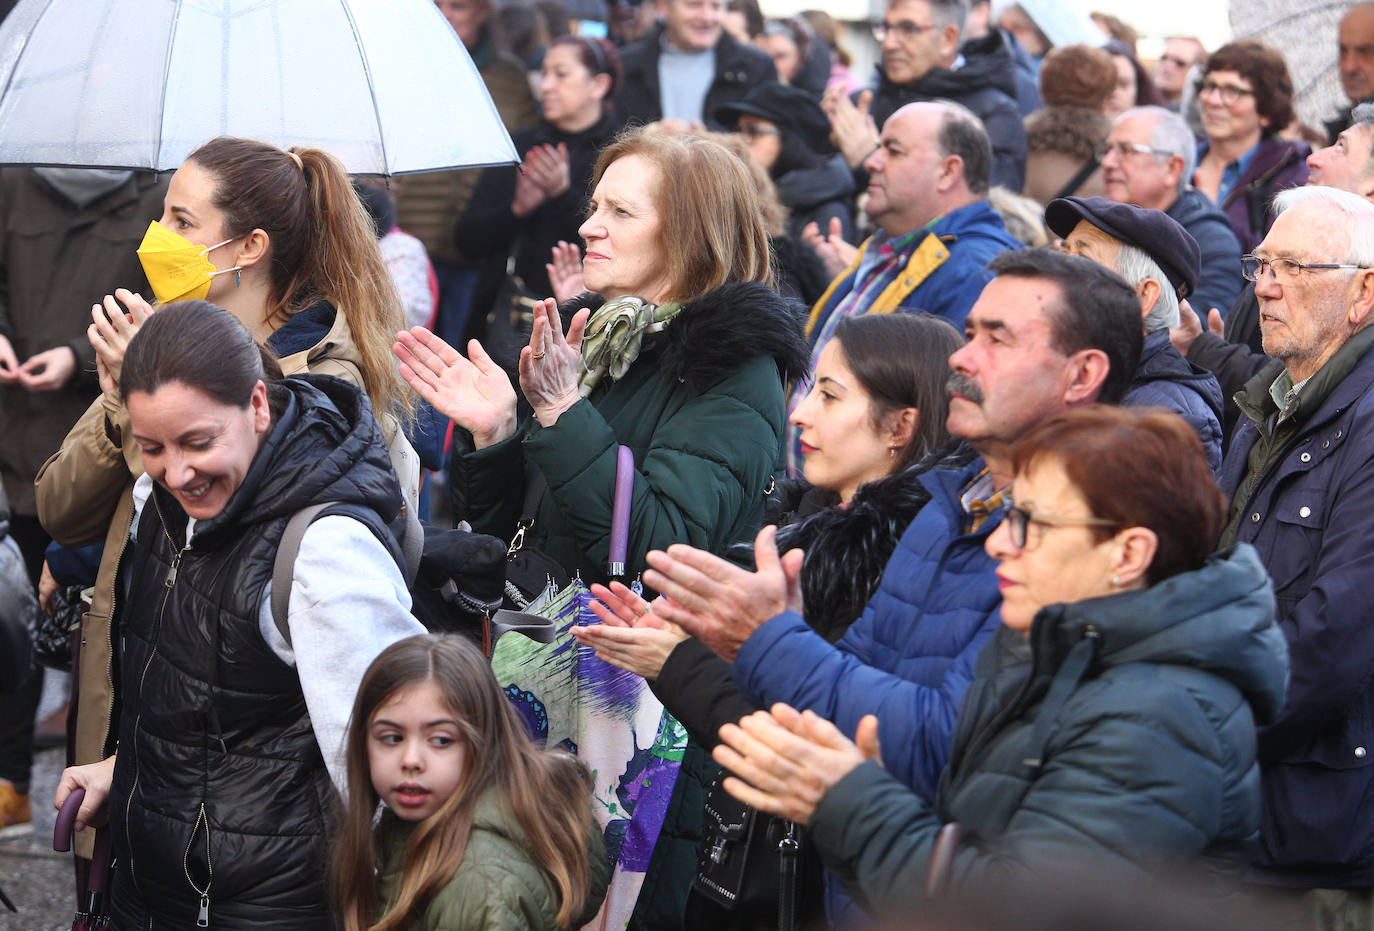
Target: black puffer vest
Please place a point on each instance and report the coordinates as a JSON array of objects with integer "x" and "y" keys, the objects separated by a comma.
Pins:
[{"x": 220, "y": 790}]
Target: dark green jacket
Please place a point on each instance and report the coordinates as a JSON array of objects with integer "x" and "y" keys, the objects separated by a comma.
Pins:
[
  {"x": 1121, "y": 734},
  {"x": 704, "y": 410},
  {"x": 497, "y": 886}
]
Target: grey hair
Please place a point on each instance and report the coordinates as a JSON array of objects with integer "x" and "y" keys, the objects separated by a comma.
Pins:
[
  {"x": 1171, "y": 134},
  {"x": 1135, "y": 265},
  {"x": 1358, "y": 211},
  {"x": 947, "y": 13}
]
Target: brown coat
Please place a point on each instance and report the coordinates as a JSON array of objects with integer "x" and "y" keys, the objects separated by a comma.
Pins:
[
  {"x": 428, "y": 205},
  {"x": 85, "y": 495},
  {"x": 55, "y": 261}
]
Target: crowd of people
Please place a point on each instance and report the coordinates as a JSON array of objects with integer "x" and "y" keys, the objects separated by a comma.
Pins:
[{"x": 998, "y": 425}]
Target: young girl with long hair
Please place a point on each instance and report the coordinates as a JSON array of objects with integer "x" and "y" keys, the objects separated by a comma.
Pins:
[{"x": 481, "y": 829}]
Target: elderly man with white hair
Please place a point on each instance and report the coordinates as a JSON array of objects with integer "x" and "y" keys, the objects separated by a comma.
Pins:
[
  {"x": 1149, "y": 160},
  {"x": 1300, "y": 475}
]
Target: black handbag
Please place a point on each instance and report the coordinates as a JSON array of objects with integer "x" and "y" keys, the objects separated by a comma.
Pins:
[
  {"x": 529, "y": 572},
  {"x": 755, "y": 862},
  {"x": 53, "y": 633},
  {"x": 510, "y": 321}
]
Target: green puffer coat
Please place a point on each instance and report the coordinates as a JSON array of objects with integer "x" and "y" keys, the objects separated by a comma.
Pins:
[
  {"x": 704, "y": 410},
  {"x": 496, "y": 887},
  {"x": 1120, "y": 736}
]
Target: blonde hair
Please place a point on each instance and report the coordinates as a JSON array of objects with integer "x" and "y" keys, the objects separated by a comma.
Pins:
[
  {"x": 547, "y": 792},
  {"x": 323, "y": 247},
  {"x": 711, "y": 222}
]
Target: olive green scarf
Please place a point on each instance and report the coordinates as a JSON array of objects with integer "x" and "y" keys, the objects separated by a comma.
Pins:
[{"x": 615, "y": 335}]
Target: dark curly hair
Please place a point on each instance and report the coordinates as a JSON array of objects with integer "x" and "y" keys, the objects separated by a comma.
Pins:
[{"x": 1267, "y": 73}]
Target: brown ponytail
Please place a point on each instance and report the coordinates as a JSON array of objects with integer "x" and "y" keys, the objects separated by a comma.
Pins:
[{"x": 322, "y": 247}]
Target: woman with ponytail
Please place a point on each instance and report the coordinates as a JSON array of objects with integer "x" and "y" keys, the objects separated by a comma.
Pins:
[{"x": 279, "y": 239}]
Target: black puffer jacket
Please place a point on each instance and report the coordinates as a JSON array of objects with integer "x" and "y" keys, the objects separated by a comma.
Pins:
[{"x": 220, "y": 789}]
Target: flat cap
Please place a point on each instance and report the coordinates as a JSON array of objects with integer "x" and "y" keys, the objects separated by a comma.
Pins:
[{"x": 1153, "y": 232}]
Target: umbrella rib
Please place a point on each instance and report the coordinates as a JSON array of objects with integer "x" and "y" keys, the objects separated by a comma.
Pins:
[
  {"x": 162, "y": 91},
  {"x": 371, "y": 87}
]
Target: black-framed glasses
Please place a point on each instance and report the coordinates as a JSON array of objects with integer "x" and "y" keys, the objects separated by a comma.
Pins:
[
  {"x": 1124, "y": 149},
  {"x": 1019, "y": 521},
  {"x": 905, "y": 29},
  {"x": 1230, "y": 93},
  {"x": 1286, "y": 271}
]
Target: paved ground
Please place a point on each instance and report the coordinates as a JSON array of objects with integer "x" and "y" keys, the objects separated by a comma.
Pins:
[{"x": 36, "y": 879}]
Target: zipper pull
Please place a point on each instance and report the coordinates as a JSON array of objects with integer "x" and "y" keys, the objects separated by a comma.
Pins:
[
  {"x": 172, "y": 573},
  {"x": 203, "y": 916}
]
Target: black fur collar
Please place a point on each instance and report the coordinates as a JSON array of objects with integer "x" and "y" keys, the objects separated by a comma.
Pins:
[
  {"x": 848, "y": 548},
  {"x": 714, "y": 333}
]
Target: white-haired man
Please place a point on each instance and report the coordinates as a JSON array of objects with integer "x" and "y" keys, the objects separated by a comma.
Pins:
[{"x": 1299, "y": 473}]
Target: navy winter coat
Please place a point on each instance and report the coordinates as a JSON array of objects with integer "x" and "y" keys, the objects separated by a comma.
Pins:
[
  {"x": 1309, "y": 520},
  {"x": 909, "y": 657},
  {"x": 1120, "y": 733}
]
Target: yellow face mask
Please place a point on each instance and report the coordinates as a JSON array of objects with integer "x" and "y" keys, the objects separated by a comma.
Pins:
[{"x": 177, "y": 269}]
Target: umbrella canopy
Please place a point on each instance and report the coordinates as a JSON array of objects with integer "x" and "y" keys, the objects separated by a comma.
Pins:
[
  {"x": 384, "y": 85},
  {"x": 1306, "y": 35}
]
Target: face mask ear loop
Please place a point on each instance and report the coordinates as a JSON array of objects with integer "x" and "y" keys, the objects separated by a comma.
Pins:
[{"x": 237, "y": 269}]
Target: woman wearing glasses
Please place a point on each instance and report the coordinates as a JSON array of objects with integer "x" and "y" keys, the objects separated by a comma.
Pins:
[
  {"x": 1246, "y": 97},
  {"x": 1112, "y": 720}
]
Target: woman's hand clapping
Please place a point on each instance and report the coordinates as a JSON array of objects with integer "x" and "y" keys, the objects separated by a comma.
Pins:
[
  {"x": 473, "y": 392},
  {"x": 543, "y": 175},
  {"x": 565, "y": 272},
  {"x": 549, "y": 364},
  {"x": 112, "y": 330},
  {"x": 630, "y": 636}
]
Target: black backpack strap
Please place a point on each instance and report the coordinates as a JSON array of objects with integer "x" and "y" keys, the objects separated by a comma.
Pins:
[{"x": 284, "y": 566}]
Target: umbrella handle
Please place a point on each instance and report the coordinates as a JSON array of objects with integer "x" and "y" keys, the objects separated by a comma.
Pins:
[
  {"x": 99, "y": 876},
  {"x": 620, "y": 510},
  {"x": 66, "y": 817}
]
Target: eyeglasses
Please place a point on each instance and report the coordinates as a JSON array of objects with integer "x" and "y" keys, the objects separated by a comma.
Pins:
[
  {"x": 905, "y": 29},
  {"x": 1230, "y": 93},
  {"x": 1286, "y": 271},
  {"x": 1123, "y": 149},
  {"x": 1019, "y": 519},
  {"x": 757, "y": 132}
]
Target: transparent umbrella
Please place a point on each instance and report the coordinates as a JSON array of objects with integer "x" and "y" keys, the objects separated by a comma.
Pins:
[
  {"x": 1305, "y": 33},
  {"x": 385, "y": 85}
]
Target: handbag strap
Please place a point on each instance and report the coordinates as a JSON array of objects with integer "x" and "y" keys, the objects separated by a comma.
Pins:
[{"x": 1072, "y": 185}]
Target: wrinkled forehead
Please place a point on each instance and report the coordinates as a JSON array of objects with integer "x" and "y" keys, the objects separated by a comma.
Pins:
[{"x": 1313, "y": 230}]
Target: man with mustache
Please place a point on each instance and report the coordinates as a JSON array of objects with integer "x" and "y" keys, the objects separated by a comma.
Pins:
[{"x": 1050, "y": 332}]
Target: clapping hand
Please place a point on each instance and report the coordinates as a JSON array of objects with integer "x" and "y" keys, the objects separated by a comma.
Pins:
[
  {"x": 720, "y": 603},
  {"x": 786, "y": 762},
  {"x": 111, "y": 331},
  {"x": 852, "y": 129},
  {"x": 835, "y": 254},
  {"x": 549, "y": 364},
  {"x": 543, "y": 175},
  {"x": 631, "y": 636},
  {"x": 565, "y": 272},
  {"x": 474, "y": 392}
]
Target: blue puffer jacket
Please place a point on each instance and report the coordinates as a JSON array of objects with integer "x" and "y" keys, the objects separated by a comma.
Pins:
[
  {"x": 1309, "y": 520},
  {"x": 910, "y": 655},
  {"x": 944, "y": 282},
  {"x": 1165, "y": 379}
]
